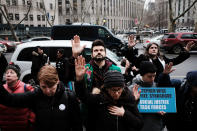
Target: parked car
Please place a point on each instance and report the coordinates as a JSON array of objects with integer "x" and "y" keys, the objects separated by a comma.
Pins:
[
  {"x": 36, "y": 39},
  {"x": 3, "y": 47},
  {"x": 156, "y": 39},
  {"x": 174, "y": 42},
  {"x": 88, "y": 33},
  {"x": 22, "y": 56},
  {"x": 10, "y": 45}
]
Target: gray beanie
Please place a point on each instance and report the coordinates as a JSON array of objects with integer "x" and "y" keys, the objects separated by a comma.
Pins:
[
  {"x": 113, "y": 78},
  {"x": 14, "y": 67}
]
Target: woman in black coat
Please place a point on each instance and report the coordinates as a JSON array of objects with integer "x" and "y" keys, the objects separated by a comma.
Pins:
[
  {"x": 115, "y": 108},
  {"x": 153, "y": 54}
]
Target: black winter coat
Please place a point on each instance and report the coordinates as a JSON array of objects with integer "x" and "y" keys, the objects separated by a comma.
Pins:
[
  {"x": 186, "y": 116},
  {"x": 58, "y": 113},
  {"x": 160, "y": 62},
  {"x": 102, "y": 120},
  {"x": 3, "y": 65},
  {"x": 66, "y": 69}
]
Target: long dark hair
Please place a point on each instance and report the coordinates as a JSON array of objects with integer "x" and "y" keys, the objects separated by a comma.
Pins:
[{"x": 146, "y": 53}]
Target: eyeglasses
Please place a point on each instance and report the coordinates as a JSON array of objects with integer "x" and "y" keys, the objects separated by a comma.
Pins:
[{"x": 119, "y": 90}]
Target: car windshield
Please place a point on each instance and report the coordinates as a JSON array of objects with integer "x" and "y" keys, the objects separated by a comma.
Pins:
[{"x": 112, "y": 56}]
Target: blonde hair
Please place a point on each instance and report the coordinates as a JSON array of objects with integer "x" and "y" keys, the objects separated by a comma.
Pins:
[{"x": 48, "y": 74}]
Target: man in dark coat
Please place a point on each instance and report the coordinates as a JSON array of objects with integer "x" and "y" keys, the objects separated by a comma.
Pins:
[
  {"x": 38, "y": 60},
  {"x": 56, "y": 109},
  {"x": 3, "y": 65},
  {"x": 65, "y": 67}
]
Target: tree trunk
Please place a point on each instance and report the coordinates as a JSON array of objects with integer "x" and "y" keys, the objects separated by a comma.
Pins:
[{"x": 195, "y": 30}]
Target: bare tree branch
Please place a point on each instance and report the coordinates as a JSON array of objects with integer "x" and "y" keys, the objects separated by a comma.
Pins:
[
  {"x": 5, "y": 14},
  {"x": 26, "y": 15},
  {"x": 186, "y": 10}
]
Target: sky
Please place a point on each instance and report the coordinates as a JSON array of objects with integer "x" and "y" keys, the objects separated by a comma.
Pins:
[{"x": 147, "y": 1}]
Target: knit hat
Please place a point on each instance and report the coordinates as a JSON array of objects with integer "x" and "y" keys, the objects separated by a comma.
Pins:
[
  {"x": 14, "y": 67},
  {"x": 147, "y": 67},
  {"x": 113, "y": 79},
  {"x": 192, "y": 78}
]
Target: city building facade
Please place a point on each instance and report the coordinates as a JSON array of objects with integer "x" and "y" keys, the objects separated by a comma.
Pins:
[
  {"x": 115, "y": 14},
  {"x": 189, "y": 18}
]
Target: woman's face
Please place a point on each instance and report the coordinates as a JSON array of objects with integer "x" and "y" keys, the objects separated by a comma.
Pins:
[
  {"x": 115, "y": 92},
  {"x": 11, "y": 77},
  {"x": 49, "y": 91},
  {"x": 153, "y": 50}
]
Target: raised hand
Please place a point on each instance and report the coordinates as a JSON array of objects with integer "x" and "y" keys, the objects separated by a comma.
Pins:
[
  {"x": 76, "y": 48},
  {"x": 168, "y": 68},
  {"x": 131, "y": 42},
  {"x": 136, "y": 92},
  {"x": 80, "y": 69},
  {"x": 118, "y": 111},
  {"x": 189, "y": 46}
]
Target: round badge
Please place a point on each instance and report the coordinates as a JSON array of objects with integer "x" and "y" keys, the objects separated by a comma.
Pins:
[{"x": 62, "y": 107}]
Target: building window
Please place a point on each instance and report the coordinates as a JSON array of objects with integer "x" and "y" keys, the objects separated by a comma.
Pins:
[
  {"x": 31, "y": 17},
  {"x": 8, "y": 2},
  {"x": 26, "y": 18},
  {"x": 60, "y": 10},
  {"x": 37, "y": 5},
  {"x": 43, "y": 25},
  {"x": 67, "y": 11},
  {"x": 75, "y": 6},
  {"x": 14, "y": 2},
  {"x": 38, "y": 17},
  {"x": 39, "y": 25},
  {"x": 23, "y": 2},
  {"x": 51, "y": 6},
  {"x": 10, "y": 16},
  {"x": 43, "y": 17},
  {"x": 17, "y": 17},
  {"x": 67, "y": 2},
  {"x": 41, "y": 5}
]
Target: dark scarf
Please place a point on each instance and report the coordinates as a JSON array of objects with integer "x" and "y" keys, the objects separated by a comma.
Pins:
[{"x": 98, "y": 73}]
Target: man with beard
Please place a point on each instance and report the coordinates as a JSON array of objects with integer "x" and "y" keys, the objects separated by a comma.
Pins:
[
  {"x": 98, "y": 66},
  {"x": 94, "y": 79}
]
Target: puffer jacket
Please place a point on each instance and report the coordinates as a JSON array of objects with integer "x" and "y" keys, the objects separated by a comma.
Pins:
[
  {"x": 16, "y": 118},
  {"x": 56, "y": 113}
]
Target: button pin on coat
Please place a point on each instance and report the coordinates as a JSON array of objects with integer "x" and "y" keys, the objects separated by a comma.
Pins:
[{"x": 62, "y": 107}]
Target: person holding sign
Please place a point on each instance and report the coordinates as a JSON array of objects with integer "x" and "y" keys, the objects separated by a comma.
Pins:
[
  {"x": 115, "y": 108},
  {"x": 152, "y": 121}
]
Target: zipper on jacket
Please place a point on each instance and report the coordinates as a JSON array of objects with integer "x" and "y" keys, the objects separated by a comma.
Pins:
[{"x": 117, "y": 123}]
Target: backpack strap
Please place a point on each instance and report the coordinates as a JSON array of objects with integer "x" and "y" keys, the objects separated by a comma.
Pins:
[{"x": 25, "y": 88}]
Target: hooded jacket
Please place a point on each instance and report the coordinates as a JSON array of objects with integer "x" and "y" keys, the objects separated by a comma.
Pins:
[
  {"x": 103, "y": 120},
  {"x": 152, "y": 121},
  {"x": 16, "y": 118},
  {"x": 56, "y": 113}
]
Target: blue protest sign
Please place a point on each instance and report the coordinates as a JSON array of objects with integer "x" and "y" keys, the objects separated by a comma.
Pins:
[{"x": 157, "y": 99}]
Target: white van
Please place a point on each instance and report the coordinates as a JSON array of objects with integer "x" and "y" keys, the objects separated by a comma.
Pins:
[{"x": 22, "y": 56}]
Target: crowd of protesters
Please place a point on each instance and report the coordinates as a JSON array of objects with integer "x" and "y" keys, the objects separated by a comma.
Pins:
[{"x": 104, "y": 99}]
